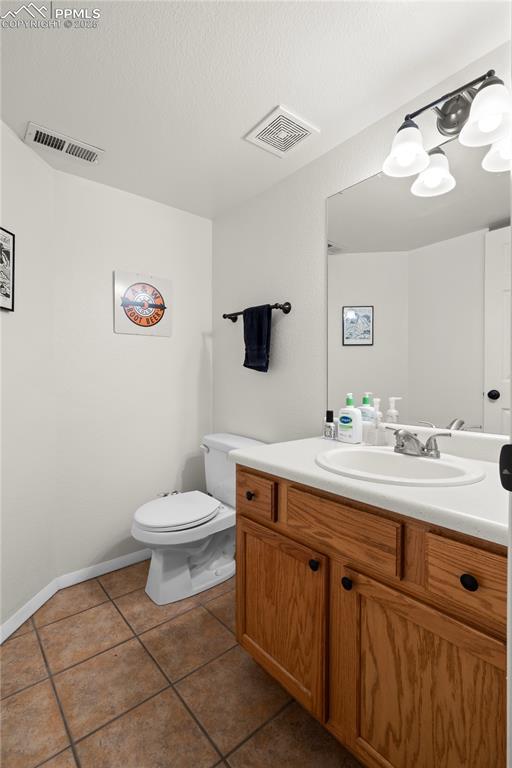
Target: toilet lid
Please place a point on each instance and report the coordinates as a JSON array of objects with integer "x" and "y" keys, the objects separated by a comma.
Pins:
[{"x": 177, "y": 512}]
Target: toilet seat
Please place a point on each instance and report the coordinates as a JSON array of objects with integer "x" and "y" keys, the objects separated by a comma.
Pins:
[{"x": 178, "y": 512}]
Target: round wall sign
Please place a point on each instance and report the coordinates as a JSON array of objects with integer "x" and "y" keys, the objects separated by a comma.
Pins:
[{"x": 143, "y": 304}]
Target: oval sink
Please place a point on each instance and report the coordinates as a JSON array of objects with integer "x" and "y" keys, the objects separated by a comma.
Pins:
[{"x": 383, "y": 465}]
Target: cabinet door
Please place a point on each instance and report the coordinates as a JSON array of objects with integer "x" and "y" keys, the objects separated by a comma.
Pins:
[
  {"x": 410, "y": 686},
  {"x": 281, "y": 610}
]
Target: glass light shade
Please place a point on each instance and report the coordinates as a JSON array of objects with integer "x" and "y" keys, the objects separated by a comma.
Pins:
[
  {"x": 490, "y": 118},
  {"x": 499, "y": 157},
  {"x": 407, "y": 155},
  {"x": 436, "y": 179}
]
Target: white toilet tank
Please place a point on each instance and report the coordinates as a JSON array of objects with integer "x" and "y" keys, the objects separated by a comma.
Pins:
[{"x": 220, "y": 472}]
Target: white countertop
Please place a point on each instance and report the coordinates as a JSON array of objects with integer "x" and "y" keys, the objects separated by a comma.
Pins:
[{"x": 479, "y": 509}]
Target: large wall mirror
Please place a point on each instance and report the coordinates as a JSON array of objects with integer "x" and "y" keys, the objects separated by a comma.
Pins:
[{"x": 419, "y": 296}]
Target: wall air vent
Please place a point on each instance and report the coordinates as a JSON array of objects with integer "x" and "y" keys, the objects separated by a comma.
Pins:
[
  {"x": 280, "y": 132},
  {"x": 57, "y": 142}
]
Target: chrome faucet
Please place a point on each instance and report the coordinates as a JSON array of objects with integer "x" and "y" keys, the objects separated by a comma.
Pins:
[
  {"x": 456, "y": 424},
  {"x": 409, "y": 444}
]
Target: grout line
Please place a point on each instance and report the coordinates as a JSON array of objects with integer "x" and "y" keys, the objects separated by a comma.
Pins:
[
  {"x": 68, "y": 616},
  {"x": 52, "y": 683},
  {"x": 47, "y": 760},
  {"x": 94, "y": 655},
  {"x": 219, "y": 619},
  {"x": 259, "y": 728},
  {"x": 205, "y": 664},
  {"x": 170, "y": 685},
  {"x": 202, "y": 729},
  {"x": 25, "y": 688},
  {"x": 121, "y": 714}
]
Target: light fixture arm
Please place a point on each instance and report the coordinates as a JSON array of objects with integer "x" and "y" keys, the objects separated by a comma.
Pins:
[{"x": 450, "y": 95}]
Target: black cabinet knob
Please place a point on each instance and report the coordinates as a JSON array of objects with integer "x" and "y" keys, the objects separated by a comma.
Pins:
[
  {"x": 469, "y": 582},
  {"x": 249, "y": 495},
  {"x": 493, "y": 394},
  {"x": 314, "y": 565},
  {"x": 346, "y": 583}
]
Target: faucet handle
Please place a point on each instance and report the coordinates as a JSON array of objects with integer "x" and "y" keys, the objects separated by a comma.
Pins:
[{"x": 431, "y": 448}]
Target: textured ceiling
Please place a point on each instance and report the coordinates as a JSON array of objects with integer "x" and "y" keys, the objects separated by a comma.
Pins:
[{"x": 169, "y": 88}]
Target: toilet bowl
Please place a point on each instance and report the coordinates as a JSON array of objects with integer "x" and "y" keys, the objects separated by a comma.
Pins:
[{"x": 192, "y": 534}]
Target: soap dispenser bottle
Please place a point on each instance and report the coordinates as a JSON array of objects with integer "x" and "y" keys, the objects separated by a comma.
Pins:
[
  {"x": 350, "y": 422},
  {"x": 367, "y": 409},
  {"x": 392, "y": 413}
]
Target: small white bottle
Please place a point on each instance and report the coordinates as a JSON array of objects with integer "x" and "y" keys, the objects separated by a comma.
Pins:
[
  {"x": 350, "y": 422},
  {"x": 392, "y": 413},
  {"x": 330, "y": 426}
]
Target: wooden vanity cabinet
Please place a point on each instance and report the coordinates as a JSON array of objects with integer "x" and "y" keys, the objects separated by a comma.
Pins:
[
  {"x": 362, "y": 616},
  {"x": 282, "y": 610},
  {"x": 410, "y": 687}
]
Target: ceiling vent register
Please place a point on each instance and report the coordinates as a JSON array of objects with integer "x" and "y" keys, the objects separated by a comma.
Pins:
[
  {"x": 280, "y": 132},
  {"x": 47, "y": 139}
]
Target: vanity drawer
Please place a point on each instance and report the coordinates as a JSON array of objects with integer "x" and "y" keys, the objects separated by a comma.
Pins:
[
  {"x": 361, "y": 536},
  {"x": 256, "y": 496},
  {"x": 485, "y": 573}
]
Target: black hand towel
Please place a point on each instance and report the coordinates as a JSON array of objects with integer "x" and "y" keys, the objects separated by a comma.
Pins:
[{"x": 257, "y": 326}]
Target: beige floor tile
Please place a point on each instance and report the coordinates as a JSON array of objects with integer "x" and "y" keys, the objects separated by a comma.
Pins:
[
  {"x": 71, "y": 600},
  {"x": 27, "y": 626},
  {"x": 224, "y": 608},
  {"x": 292, "y": 739},
  {"x": 142, "y": 613},
  {"x": 219, "y": 589},
  {"x": 97, "y": 690},
  {"x": 118, "y": 583},
  {"x": 231, "y": 697},
  {"x": 186, "y": 642},
  {"x": 21, "y": 663},
  {"x": 78, "y": 637},
  {"x": 32, "y": 727},
  {"x": 158, "y": 734}
]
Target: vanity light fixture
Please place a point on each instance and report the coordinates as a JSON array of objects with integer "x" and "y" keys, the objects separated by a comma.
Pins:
[
  {"x": 490, "y": 117},
  {"x": 436, "y": 179},
  {"x": 407, "y": 155},
  {"x": 499, "y": 157}
]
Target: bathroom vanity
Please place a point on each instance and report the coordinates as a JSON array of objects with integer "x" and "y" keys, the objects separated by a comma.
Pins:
[{"x": 386, "y": 617}]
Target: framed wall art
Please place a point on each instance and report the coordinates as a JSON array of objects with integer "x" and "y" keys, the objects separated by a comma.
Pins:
[
  {"x": 6, "y": 269},
  {"x": 357, "y": 326},
  {"x": 141, "y": 304}
]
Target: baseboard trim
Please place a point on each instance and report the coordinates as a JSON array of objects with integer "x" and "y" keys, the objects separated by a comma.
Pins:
[{"x": 67, "y": 580}]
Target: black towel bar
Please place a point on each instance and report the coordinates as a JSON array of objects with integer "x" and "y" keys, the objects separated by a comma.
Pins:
[{"x": 286, "y": 308}]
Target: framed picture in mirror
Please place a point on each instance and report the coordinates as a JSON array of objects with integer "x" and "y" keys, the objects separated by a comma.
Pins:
[
  {"x": 357, "y": 326},
  {"x": 6, "y": 269}
]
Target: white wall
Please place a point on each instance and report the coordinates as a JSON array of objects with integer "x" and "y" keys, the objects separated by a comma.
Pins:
[
  {"x": 94, "y": 423},
  {"x": 132, "y": 409},
  {"x": 380, "y": 279},
  {"x": 272, "y": 248},
  {"x": 28, "y": 394}
]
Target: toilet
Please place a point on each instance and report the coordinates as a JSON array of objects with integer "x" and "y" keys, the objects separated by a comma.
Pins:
[{"x": 192, "y": 534}]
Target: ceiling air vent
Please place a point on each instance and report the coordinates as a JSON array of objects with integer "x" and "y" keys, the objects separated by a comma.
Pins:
[
  {"x": 280, "y": 132},
  {"x": 57, "y": 142}
]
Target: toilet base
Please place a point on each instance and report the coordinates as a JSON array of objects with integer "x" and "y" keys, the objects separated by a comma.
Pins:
[{"x": 178, "y": 572}]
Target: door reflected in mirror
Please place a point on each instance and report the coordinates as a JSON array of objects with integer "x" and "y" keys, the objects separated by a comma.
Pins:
[{"x": 436, "y": 272}]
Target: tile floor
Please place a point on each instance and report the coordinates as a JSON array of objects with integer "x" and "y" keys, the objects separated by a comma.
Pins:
[{"x": 101, "y": 677}]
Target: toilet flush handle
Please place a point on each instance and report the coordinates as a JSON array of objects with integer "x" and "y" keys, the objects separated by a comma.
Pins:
[{"x": 204, "y": 448}]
